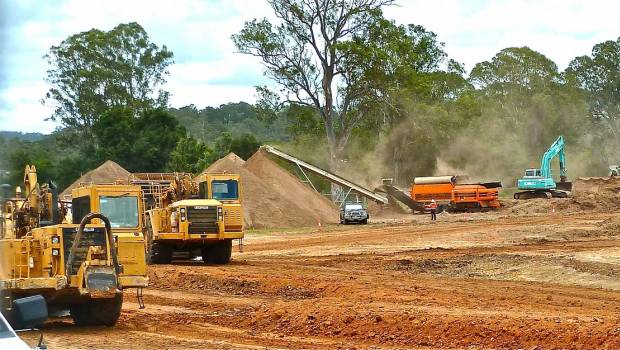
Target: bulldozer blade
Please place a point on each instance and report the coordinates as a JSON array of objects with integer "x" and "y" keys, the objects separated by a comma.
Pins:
[{"x": 564, "y": 186}]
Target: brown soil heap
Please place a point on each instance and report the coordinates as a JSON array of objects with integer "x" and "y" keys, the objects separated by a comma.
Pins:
[
  {"x": 601, "y": 193},
  {"x": 589, "y": 193},
  {"x": 272, "y": 197},
  {"x": 108, "y": 172}
]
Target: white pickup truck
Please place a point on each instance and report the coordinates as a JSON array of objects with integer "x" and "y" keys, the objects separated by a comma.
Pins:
[{"x": 9, "y": 339}]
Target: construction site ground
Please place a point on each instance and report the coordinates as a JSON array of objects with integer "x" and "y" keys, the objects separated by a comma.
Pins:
[{"x": 469, "y": 281}]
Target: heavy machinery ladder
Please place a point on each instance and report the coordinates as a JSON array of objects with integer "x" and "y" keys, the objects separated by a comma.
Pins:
[{"x": 333, "y": 178}]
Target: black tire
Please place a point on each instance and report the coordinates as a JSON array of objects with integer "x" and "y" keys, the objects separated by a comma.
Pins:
[
  {"x": 159, "y": 254},
  {"x": 217, "y": 254},
  {"x": 517, "y": 196},
  {"x": 98, "y": 312},
  {"x": 156, "y": 252},
  {"x": 365, "y": 221},
  {"x": 6, "y": 302}
]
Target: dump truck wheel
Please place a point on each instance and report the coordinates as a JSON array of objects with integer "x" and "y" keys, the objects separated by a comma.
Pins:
[
  {"x": 156, "y": 253},
  {"x": 159, "y": 254},
  {"x": 98, "y": 312},
  {"x": 217, "y": 254}
]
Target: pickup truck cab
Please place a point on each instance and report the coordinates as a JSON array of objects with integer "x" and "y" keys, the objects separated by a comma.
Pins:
[{"x": 353, "y": 212}]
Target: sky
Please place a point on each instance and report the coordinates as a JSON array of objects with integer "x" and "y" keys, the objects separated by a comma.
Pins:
[{"x": 208, "y": 72}]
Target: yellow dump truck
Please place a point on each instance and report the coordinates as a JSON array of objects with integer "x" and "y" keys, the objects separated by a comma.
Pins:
[
  {"x": 76, "y": 267},
  {"x": 225, "y": 188},
  {"x": 181, "y": 218}
]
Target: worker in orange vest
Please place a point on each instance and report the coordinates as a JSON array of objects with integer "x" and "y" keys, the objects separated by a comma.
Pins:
[{"x": 433, "y": 208}]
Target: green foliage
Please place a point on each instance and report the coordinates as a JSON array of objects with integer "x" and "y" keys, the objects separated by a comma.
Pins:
[
  {"x": 139, "y": 144},
  {"x": 62, "y": 167},
  {"x": 598, "y": 78},
  {"x": 27, "y": 136},
  {"x": 190, "y": 156},
  {"x": 94, "y": 71},
  {"x": 236, "y": 118},
  {"x": 515, "y": 70},
  {"x": 223, "y": 144},
  {"x": 244, "y": 146}
]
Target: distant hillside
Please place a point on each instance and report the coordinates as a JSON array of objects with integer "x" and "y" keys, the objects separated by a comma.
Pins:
[
  {"x": 237, "y": 118},
  {"x": 30, "y": 136}
]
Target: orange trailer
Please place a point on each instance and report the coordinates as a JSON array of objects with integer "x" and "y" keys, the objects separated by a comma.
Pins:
[{"x": 452, "y": 196}]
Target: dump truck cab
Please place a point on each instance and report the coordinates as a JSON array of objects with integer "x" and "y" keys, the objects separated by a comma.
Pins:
[
  {"x": 123, "y": 206},
  {"x": 226, "y": 188}
]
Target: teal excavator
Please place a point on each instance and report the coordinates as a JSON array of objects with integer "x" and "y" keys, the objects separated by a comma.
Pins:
[{"x": 539, "y": 183}]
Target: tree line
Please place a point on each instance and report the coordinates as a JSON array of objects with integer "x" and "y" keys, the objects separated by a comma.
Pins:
[{"x": 351, "y": 90}]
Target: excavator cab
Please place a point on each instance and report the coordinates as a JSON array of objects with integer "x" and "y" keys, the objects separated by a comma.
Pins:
[{"x": 532, "y": 173}]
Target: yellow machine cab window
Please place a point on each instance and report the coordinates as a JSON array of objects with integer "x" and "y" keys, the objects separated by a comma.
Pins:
[
  {"x": 122, "y": 211},
  {"x": 225, "y": 189}
]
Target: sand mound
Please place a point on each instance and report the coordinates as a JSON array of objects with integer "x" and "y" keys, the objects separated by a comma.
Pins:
[
  {"x": 108, "y": 172},
  {"x": 597, "y": 193},
  {"x": 289, "y": 186},
  {"x": 268, "y": 203}
]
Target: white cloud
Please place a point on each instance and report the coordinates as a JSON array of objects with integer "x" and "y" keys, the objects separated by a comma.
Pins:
[
  {"x": 475, "y": 31},
  {"x": 22, "y": 111},
  {"x": 209, "y": 72}
]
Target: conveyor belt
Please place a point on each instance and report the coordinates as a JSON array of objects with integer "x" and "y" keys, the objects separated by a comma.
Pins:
[{"x": 325, "y": 174}]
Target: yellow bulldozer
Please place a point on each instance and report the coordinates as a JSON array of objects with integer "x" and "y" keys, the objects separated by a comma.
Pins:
[
  {"x": 188, "y": 217},
  {"x": 75, "y": 267}
]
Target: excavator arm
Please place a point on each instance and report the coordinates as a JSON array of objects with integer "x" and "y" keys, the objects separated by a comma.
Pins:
[{"x": 556, "y": 149}]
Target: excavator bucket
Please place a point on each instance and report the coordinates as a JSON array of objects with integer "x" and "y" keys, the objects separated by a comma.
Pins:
[{"x": 564, "y": 186}]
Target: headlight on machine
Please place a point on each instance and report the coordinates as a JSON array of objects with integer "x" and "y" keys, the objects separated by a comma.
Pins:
[
  {"x": 55, "y": 252},
  {"x": 219, "y": 214},
  {"x": 55, "y": 239}
]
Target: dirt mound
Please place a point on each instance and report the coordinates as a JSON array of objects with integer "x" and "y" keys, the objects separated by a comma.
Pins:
[
  {"x": 268, "y": 203},
  {"x": 589, "y": 193},
  {"x": 289, "y": 186},
  {"x": 538, "y": 205},
  {"x": 391, "y": 210},
  {"x": 108, "y": 172},
  {"x": 597, "y": 193}
]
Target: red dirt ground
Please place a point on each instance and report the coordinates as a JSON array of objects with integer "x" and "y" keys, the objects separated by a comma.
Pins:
[{"x": 470, "y": 281}]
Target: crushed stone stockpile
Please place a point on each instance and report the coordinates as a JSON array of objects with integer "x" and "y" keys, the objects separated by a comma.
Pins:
[
  {"x": 272, "y": 197},
  {"x": 589, "y": 193}
]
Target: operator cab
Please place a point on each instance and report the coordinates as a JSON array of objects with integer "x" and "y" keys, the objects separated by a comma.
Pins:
[
  {"x": 225, "y": 189},
  {"x": 532, "y": 173},
  {"x": 220, "y": 189}
]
